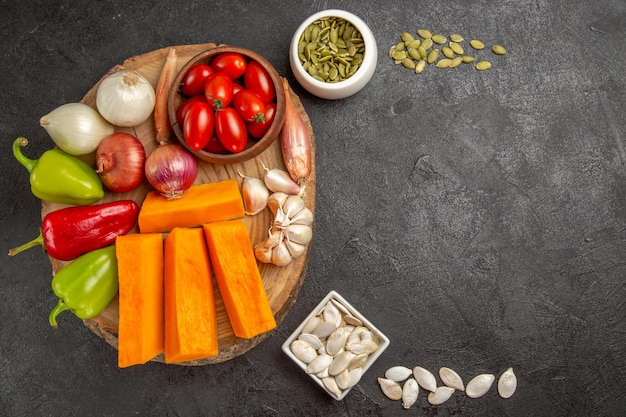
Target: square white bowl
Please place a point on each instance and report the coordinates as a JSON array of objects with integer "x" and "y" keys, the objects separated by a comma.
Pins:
[{"x": 383, "y": 341}]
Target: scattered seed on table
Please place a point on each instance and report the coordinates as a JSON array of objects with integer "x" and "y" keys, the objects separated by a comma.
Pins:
[
  {"x": 498, "y": 50},
  {"x": 439, "y": 39},
  {"x": 444, "y": 63},
  {"x": 424, "y": 34},
  {"x": 447, "y": 52},
  {"x": 476, "y": 44},
  {"x": 455, "y": 37},
  {"x": 456, "y": 48},
  {"x": 483, "y": 65}
]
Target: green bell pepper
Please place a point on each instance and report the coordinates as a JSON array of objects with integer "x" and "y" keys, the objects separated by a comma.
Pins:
[
  {"x": 87, "y": 285},
  {"x": 59, "y": 177}
]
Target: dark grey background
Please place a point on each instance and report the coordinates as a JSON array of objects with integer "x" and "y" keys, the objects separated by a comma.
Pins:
[{"x": 477, "y": 218}]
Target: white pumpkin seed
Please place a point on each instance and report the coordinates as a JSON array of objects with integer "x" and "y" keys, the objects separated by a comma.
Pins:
[
  {"x": 390, "y": 388},
  {"x": 311, "y": 324},
  {"x": 342, "y": 379},
  {"x": 425, "y": 378},
  {"x": 479, "y": 385},
  {"x": 318, "y": 364},
  {"x": 507, "y": 383},
  {"x": 441, "y": 395},
  {"x": 303, "y": 351},
  {"x": 358, "y": 361},
  {"x": 311, "y": 339},
  {"x": 340, "y": 362},
  {"x": 331, "y": 385},
  {"x": 410, "y": 392},
  {"x": 451, "y": 379},
  {"x": 324, "y": 329},
  {"x": 398, "y": 373},
  {"x": 336, "y": 341}
]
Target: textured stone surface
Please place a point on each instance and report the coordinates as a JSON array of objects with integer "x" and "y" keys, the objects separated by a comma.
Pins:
[{"x": 477, "y": 218}]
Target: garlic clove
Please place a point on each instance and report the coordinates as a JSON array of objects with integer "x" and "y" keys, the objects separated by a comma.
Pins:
[
  {"x": 299, "y": 233},
  {"x": 255, "y": 195},
  {"x": 295, "y": 249},
  {"x": 507, "y": 383},
  {"x": 276, "y": 201},
  {"x": 304, "y": 216},
  {"x": 281, "y": 255},
  {"x": 263, "y": 254},
  {"x": 278, "y": 180},
  {"x": 293, "y": 205}
]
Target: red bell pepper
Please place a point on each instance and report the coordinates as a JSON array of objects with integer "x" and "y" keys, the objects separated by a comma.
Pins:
[{"x": 70, "y": 232}]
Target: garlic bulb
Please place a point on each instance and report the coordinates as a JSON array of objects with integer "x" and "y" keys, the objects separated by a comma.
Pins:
[
  {"x": 288, "y": 238},
  {"x": 76, "y": 128},
  {"x": 125, "y": 98}
]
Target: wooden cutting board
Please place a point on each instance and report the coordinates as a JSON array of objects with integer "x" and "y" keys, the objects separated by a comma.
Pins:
[{"x": 282, "y": 284}]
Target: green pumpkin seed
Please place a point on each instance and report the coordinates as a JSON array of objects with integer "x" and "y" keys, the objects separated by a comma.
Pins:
[
  {"x": 406, "y": 37},
  {"x": 456, "y": 48},
  {"x": 447, "y": 52},
  {"x": 444, "y": 63},
  {"x": 432, "y": 56},
  {"x": 427, "y": 44},
  {"x": 424, "y": 34},
  {"x": 400, "y": 46},
  {"x": 439, "y": 39},
  {"x": 476, "y": 44},
  {"x": 332, "y": 45},
  {"x": 498, "y": 49},
  {"x": 455, "y": 37},
  {"x": 467, "y": 59},
  {"x": 408, "y": 63},
  {"x": 415, "y": 43},
  {"x": 456, "y": 62},
  {"x": 419, "y": 67},
  {"x": 414, "y": 53},
  {"x": 483, "y": 65},
  {"x": 399, "y": 55},
  {"x": 422, "y": 51}
]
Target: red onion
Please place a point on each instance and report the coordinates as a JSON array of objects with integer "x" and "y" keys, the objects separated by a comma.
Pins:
[
  {"x": 120, "y": 160},
  {"x": 171, "y": 170}
]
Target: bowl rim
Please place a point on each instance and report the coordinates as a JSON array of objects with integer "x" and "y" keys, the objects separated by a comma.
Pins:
[
  {"x": 369, "y": 58},
  {"x": 261, "y": 144},
  {"x": 382, "y": 346}
]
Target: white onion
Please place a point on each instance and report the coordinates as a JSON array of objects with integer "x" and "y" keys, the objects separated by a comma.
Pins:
[
  {"x": 125, "y": 98},
  {"x": 76, "y": 128}
]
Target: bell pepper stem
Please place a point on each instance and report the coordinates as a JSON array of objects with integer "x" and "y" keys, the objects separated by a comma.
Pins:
[
  {"x": 60, "y": 307},
  {"x": 30, "y": 164},
  {"x": 36, "y": 241}
]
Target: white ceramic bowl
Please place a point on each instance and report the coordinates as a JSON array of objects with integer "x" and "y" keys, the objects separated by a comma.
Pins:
[
  {"x": 347, "y": 87},
  {"x": 378, "y": 336}
]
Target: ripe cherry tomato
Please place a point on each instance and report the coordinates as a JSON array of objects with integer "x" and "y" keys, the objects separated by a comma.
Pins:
[
  {"x": 249, "y": 106},
  {"x": 193, "y": 82},
  {"x": 215, "y": 146},
  {"x": 237, "y": 88},
  {"x": 199, "y": 125},
  {"x": 231, "y": 130},
  {"x": 258, "y": 130},
  {"x": 184, "y": 107},
  {"x": 219, "y": 90},
  {"x": 258, "y": 80},
  {"x": 230, "y": 63}
]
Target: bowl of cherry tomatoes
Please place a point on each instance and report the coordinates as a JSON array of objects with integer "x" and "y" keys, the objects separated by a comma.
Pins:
[{"x": 227, "y": 105}]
